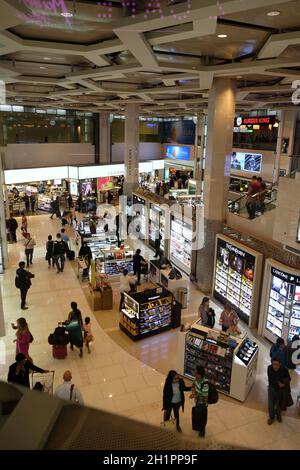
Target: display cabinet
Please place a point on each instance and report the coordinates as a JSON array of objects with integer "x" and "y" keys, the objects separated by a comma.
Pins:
[
  {"x": 146, "y": 313},
  {"x": 112, "y": 262},
  {"x": 181, "y": 243},
  {"x": 237, "y": 275}
]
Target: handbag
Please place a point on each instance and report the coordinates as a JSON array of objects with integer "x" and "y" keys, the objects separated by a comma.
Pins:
[{"x": 169, "y": 425}]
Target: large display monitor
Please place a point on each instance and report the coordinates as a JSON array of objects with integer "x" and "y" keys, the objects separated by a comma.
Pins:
[
  {"x": 176, "y": 152},
  {"x": 246, "y": 161}
]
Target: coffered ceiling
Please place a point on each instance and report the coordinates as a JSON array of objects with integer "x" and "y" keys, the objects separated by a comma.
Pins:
[{"x": 164, "y": 55}]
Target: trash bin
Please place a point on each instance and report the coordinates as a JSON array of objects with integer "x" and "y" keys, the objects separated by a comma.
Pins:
[
  {"x": 183, "y": 296},
  {"x": 176, "y": 314}
]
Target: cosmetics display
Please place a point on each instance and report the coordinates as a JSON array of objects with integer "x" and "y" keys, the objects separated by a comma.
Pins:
[
  {"x": 156, "y": 226},
  {"x": 44, "y": 203},
  {"x": 112, "y": 261},
  {"x": 281, "y": 301},
  {"x": 146, "y": 313},
  {"x": 181, "y": 243},
  {"x": 236, "y": 277},
  {"x": 230, "y": 363},
  {"x": 140, "y": 206}
]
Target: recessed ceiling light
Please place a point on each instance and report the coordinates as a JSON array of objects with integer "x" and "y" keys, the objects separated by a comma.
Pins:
[
  {"x": 42, "y": 68},
  {"x": 239, "y": 76},
  {"x": 222, "y": 36},
  {"x": 67, "y": 14},
  {"x": 47, "y": 58},
  {"x": 273, "y": 13}
]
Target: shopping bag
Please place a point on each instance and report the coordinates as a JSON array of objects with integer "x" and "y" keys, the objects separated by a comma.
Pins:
[{"x": 169, "y": 425}]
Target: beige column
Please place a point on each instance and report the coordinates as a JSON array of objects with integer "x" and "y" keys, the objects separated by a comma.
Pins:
[
  {"x": 104, "y": 138},
  {"x": 199, "y": 141},
  {"x": 131, "y": 158},
  {"x": 4, "y": 211},
  {"x": 221, "y": 108}
]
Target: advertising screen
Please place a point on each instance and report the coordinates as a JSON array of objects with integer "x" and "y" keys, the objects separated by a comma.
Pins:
[
  {"x": 104, "y": 183},
  {"x": 234, "y": 278},
  {"x": 284, "y": 304},
  {"x": 246, "y": 161},
  {"x": 86, "y": 188},
  {"x": 74, "y": 188},
  {"x": 178, "y": 153}
]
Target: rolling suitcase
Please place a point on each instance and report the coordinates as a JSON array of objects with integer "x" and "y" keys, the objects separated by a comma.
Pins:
[{"x": 59, "y": 352}]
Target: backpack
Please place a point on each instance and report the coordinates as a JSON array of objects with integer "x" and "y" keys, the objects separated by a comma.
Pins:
[
  {"x": 213, "y": 394},
  {"x": 17, "y": 282}
]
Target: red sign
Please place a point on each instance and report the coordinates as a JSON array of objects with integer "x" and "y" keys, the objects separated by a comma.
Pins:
[{"x": 249, "y": 121}]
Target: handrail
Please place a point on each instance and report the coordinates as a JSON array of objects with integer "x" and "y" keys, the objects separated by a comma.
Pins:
[{"x": 236, "y": 200}]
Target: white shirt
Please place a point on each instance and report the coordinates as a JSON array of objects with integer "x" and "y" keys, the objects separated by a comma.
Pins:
[
  {"x": 63, "y": 392},
  {"x": 125, "y": 283},
  {"x": 29, "y": 243}
]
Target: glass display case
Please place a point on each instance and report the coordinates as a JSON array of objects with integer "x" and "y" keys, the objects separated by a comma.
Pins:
[
  {"x": 142, "y": 209},
  {"x": 111, "y": 262},
  {"x": 181, "y": 243},
  {"x": 237, "y": 276},
  {"x": 156, "y": 226},
  {"x": 146, "y": 313},
  {"x": 44, "y": 203},
  {"x": 281, "y": 301}
]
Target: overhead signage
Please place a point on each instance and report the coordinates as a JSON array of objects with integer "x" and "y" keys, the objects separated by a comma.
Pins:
[{"x": 250, "y": 120}]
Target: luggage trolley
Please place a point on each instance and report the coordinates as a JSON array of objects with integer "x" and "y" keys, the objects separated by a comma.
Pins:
[{"x": 44, "y": 378}]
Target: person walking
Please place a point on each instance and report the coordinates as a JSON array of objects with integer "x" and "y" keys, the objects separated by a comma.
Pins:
[
  {"x": 138, "y": 260},
  {"x": 278, "y": 379},
  {"x": 228, "y": 318},
  {"x": 124, "y": 287},
  {"x": 206, "y": 314},
  {"x": 18, "y": 372},
  {"x": 279, "y": 351},
  {"x": 60, "y": 248},
  {"x": 157, "y": 245},
  {"x": 24, "y": 222},
  {"x": 23, "y": 337},
  {"x": 29, "y": 244},
  {"x": 252, "y": 197},
  {"x": 68, "y": 391},
  {"x": 87, "y": 335},
  {"x": 49, "y": 251},
  {"x": 173, "y": 396},
  {"x": 75, "y": 314},
  {"x": 27, "y": 202},
  {"x": 70, "y": 202},
  {"x": 12, "y": 226},
  {"x": 74, "y": 328},
  {"x": 23, "y": 283},
  {"x": 32, "y": 203},
  {"x": 54, "y": 207},
  {"x": 86, "y": 253},
  {"x": 64, "y": 236},
  {"x": 200, "y": 389},
  {"x": 79, "y": 203}
]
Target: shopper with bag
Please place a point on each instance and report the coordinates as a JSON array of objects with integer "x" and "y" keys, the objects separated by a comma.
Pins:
[
  {"x": 23, "y": 282},
  {"x": 60, "y": 248},
  {"x": 23, "y": 337},
  {"x": 68, "y": 391},
  {"x": 279, "y": 392},
  {"x": 173, "y": 397},
  {"x": 200, "y": 391},
  {"x": 49, "y": 251},
  {"x": 29, "y": 245}
]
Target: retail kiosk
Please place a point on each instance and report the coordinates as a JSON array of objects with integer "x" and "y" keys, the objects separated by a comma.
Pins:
[
  {"x": 230, "y": 362},
  {"x": 146, "y": 313},
  {"x": 112, "y": 262},
  {"x": 280, "y": 305},
  {"x": 163, "y": 275},
  {"x": 237, "y": 276}
]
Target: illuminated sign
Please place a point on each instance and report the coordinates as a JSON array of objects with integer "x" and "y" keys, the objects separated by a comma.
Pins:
[
  {"x": 251, "y": 120},
  {"x": 176, "y": 152}
]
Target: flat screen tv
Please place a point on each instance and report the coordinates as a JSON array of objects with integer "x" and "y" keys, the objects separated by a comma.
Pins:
[
  {"x": 177, "y": 152},
  {"x": 246, "y": 161}
]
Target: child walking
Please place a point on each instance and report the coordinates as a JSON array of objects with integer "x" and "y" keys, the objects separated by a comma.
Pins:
[{"x": 88, "y": 337}]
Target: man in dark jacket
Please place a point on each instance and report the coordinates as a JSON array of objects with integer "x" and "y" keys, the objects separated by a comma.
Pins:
[
  {"x": 138, "y": 260},
  {"x": 23, "y": 283},
  {"x": 278, "y": 378},
  {"x": 12, "y": 226},
  {"x": 27, "y": 202},
  {"x": 18, "y": 372},
  {"x": 60, "y": 248}
]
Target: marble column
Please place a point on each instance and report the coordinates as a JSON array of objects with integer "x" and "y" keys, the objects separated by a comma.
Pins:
[
  {"x": 104, "y": 139},
  {"x": 131, "y": 158},
  {"x": 221, "y": 108}
]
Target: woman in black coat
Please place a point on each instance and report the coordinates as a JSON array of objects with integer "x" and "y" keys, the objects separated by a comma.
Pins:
[{"x": 173, "y": 396}]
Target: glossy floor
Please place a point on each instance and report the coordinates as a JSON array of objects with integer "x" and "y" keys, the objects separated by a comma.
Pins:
[{"x": 126, "y": 377}]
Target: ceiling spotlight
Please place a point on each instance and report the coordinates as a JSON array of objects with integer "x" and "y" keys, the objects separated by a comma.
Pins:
[
  {"x": 47, "y": 58},
  {"x": 273, "y": 13},
  {"x": 239, "y": 76},
  {"x": 42, "y": 68},
  {"x": 222, "y": 36}
]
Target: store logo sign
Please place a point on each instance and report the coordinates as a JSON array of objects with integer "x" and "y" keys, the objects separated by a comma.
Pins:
[
  {"x": 239, "y": 121},
  {"x": 235, "y": 249}
]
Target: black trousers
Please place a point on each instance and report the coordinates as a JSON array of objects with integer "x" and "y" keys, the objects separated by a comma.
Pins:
[
  {"x": 224, "y": 328},
  {"x": 29, "y": 255},
  {"x": 49, "y": 261},
  {"x": 203, "y": 417},
  {"x": 250, "y": 206},
  {"x": 23, "y": 291},
  {"x": 121, "y": 301},
  {"x": 137, "y": 272},
  {"x": 13, "y": 236},
  {"x": 175, "y": 407}
]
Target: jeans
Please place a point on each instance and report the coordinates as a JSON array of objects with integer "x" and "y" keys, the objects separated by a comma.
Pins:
[
  {"x": 273, "y": 402},
  {"x": 60, "y": 265},
  {"x": 175, "y": 407},
  {"x": 49, "y": 261},
  {"x": 23, "y": 291},
  {"x": 29, "y": 255}
]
